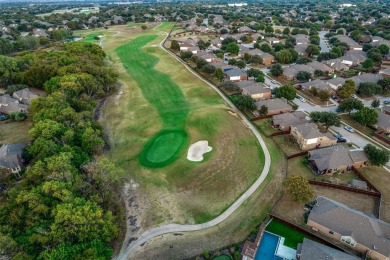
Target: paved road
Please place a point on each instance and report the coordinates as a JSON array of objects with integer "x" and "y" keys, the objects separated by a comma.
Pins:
[
  {"x": 323, "y": 45},
  {"x": 171, "y": 228}
]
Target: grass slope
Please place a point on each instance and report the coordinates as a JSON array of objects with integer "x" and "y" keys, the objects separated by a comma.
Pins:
[{"x": 165, "y": 95}]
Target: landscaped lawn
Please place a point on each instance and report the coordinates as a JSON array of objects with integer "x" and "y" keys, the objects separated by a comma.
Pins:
[{"x": 292, "y": 236}]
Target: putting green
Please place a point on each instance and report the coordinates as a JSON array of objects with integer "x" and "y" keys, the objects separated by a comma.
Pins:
[{"x": 163, "y": 93}]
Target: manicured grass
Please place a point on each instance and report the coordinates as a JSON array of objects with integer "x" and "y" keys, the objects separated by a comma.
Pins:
[
  {"x": 91, "y": 38},
  {"x": 164, "y": 94},
  {"x": 293, "y": 237}
]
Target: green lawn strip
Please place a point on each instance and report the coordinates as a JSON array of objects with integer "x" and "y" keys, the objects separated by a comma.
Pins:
[
  {"x": 292, "y": 237},
  {"x": 91, "y": 38},
  {"x": 164, "y": 94}
]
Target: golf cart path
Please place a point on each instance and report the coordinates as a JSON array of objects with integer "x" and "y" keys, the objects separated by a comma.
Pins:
[{"x": 171, "y": 228}]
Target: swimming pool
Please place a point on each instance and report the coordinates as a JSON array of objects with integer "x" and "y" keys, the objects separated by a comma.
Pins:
[{"x": 267, "y": 247}]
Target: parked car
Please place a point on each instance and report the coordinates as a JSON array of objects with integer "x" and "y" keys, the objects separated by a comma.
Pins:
[
  {"x": 349, "y": 129},
  {"x": 338, "y": 110},
  {"x": 338, "y": 136},
  {"x": 3, "y": 117},
  {"x": 341, "y": 140},
  {"x": 273, "y": 81},
  {"x": 354, "y": 96},
  {"x": 386, "y": 102}
]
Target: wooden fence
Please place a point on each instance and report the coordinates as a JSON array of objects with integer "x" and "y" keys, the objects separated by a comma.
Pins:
[
  {"x": 346, "y": 188},
  {"x": 369, "y": 184},
  {"x": 261, "y": 117},
  {"x": 380, "y": 137},
  {"x": 297, "y": 154},
  {"x": 281, "y": 133}
]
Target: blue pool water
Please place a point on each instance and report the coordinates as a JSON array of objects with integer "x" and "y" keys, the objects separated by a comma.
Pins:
[{"x": 267, "y": 247}]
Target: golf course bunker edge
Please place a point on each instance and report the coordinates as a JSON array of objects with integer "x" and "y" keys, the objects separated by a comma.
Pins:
[{"x": 163, "y": 148}]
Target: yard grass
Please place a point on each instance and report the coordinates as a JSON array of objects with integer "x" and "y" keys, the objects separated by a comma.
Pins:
[
  {"x": 159, "y": 94},
  {"x": 265, "y": 126},
  {"x": 14, "y": 132},
  {"x": 380, "y": 178},
  {"x": 292, "y": 236},
  {"x": 287, "y": 144},
  {"x": 91, "y": 38}
]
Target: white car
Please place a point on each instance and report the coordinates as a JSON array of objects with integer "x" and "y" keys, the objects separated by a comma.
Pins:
[
  {"x": 273, "y": 81},
  {"x": 349, "y": 129},
  {"x": 354, "y": 96}
]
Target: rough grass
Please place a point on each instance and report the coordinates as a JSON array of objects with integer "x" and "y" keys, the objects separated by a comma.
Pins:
[
  {"x": 292, "y": 237},
  {"x": 14, "y": 132},
  {"x": 91, "y": 38}
]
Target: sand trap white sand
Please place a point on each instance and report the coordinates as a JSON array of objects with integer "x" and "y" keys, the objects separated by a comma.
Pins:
[{"x": 196, "y": 151}]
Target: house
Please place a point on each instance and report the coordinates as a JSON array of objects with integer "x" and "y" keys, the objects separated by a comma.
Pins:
[
  {"x": 366, "y": 77},
  {"x": 386, "y": 109},
  {"x": 353, "y": 58},
  {"x": 219, "y": 64},
  {"x": 244, "y": 29},
  {"x": 268, "y": 59},
  {"x": 309, "y": 137},
  {"x": 256, "y": 91},
  {"x": 236, "y": 75},
  {"x": 186, "y": 45},
  {"x": 275, "y": 106},
  {"x": 351, "y": 43},
  {"x": 336, "y": 158},
  {"x": 207, "y": 56},
  {"x": 309, "y": 250},
  {"x": 301, "y": 49},
  {"x": 11, "y": 157},
  {"x": 385, "y": 73},
  {"x": 40, "y": 33},
  {"x": 291, "y": 72},
  {"x": 286, "y": 120},
  {"x": 273, "y": 40},
  {"x": 336, "y": 64},
  {"x": 10, "y": 105},
  {"x": 336, "y": 82},
  {"x": 320, "y": 66},
  {"x": 25, "y": 96},
  {"x": 302, "y": 39},
  {"x": 363, "y": 233},
  {"x": 319, "y": 84},
  {"x": 383, "y": 123}
]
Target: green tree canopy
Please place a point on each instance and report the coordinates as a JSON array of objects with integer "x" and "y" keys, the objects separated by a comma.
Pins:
[
  {"x": 376, "y": 156},
  {"x": 286, "y": 91},
  {"x": 326, "y": 118},
  {"x": 298, "y": 188},
  {"x": 347, "y": 89},
  {"x": 366, "y": 116},
  {"x": 350, "y": 104}
]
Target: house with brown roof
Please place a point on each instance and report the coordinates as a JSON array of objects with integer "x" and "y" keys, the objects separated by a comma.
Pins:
[
  {"x": 235, "y": 75},
  {"x": 336, "y": 158},
  {"x": 309, "y": 137},
  {"x": 25, "y": 96},
  {"x": 286, "y": 120},
  {"x": 257, "y": 91},
  {"x": 363, "y": 233},
  {"x": 275, "y": 106},
  {"x": 244, "y": 29},
  {"x": 320, "y": 66}
]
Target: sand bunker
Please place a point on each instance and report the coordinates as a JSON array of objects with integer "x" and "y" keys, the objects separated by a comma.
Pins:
[{"x": 196, "y": 151}]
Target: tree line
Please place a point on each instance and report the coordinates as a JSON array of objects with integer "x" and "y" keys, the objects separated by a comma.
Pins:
[{"x": 63, "y": 207}]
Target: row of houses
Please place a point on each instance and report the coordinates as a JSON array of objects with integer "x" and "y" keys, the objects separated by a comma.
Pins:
[{"x": 20, "y": 101}]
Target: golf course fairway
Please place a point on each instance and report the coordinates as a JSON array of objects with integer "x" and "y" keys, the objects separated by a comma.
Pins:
[{"x": 163, "y": 93}]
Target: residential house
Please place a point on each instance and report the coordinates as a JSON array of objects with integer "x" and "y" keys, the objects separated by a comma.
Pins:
[
  {"x": 256, "y": 91},
  {"x": 25, "y": 96},
  {"x": 220, "y": 64},
  {"x": 10, "y": 105},
  {"x": 320, "y": 66},
  {"x": 336, "y": 158},
  {"x": 336, "y": 65},
  {"x": 336, "y": 82},
  {"x": 319, "y": 84},
  {"x": 301, "y": 39},
  {"x": 366, "y": 77},
  {"x": 236, "y": 75},
  {"x": 11, "y": 157},
  {"x": 275, "y": 106},
  {"x": 187, "y": 45},
  {"x": 268, "y": 59},
  {"x": 244, "y": 29},
  {"x": 383, "y": 123},
  {"x": 301, "y": 49},
  {"x": 40, "y": 33},
  {"x": 273, "y": 40},
  {"x": 385, "y": 73},
  {"x": 309, "y": 137},
  {"x": 291, "y": 72},
  {"x": 353, "y": 58},
  {"x": 363, "y": 233},
  {"x": 351, "y": 43},
  {"x": 309, "y": 250},
  {"x": 386, "y": 109},
  {"x": 286, "y": 120},
  {"x": 377, "y": 40},
  {"x": 207, "y": 56}
]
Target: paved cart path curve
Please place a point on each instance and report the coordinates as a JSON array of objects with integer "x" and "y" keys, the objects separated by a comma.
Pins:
[{"x": 172, "y": 228}]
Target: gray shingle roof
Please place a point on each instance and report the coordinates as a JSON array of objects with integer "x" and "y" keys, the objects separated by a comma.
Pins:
[
  {"x": 309, "y": 130},
  {"x": 310, "y": 250},
  {"x": 11, "y": 155},
  {"x": 25, "y": 95},
  {"x": 289, "y": 119},
  {"x": 235, "y": 73},
  {"x": 383, "y": 120},
  {"x": 366, "y": 230},
  {"x": 335, "y": 157}
]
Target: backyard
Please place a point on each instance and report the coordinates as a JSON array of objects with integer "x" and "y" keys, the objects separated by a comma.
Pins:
[
  {"x": 14, "y": 132},
  {"x": 292, "y": 236}
]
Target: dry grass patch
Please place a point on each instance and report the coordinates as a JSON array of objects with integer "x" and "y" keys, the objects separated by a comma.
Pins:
[
  {"x": 14, "y": 132},
  {"x": 287, "y": 144}
]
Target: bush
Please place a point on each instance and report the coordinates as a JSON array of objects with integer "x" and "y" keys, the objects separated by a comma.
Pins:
[{"x": 18, "y": 116}]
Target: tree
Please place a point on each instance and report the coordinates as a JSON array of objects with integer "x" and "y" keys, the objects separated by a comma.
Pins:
[
  {"x": 314, "y": 91},
  {"x": 385, "y": 84},
  {"x": 254, "y": 72},
  {"x": 175, "y": 45},
  {"x": 263, "y": 110},
  {"x": 269, "y": 29},
  {"x": 368, "y": 89},
  {"x": 144, "y": 27},
  {"x": 298, "y": 188},
  {"x": 186, "y": 55},
  {"x": 303, "y": 60},
  {"x": 232, "y": 48},
  {"x": 319, "y": 73},
  {"x": 350, "y": 104},
  {"x": 313, "y": 50},
  {"x": 290, "y": 42},
  {"x": 366, "y": 116},
  {"x": 218, "y": 73},
  {"x": 245, "y": 102},
  {"x": 208, "y": 68},
  {"x": 326, "y": 118},
  {"x": 286, "y": 31},
  {"x": 383, "y": 49},
  {"x": 255, "y": 59},
  {"x": 232, "y": 61},
  {"x": 265, "y": 47},
  {"x": 347, "y": 89},
  {"x": 6, "y": 46},
  {"x": 376, "y": 156},
  {"x": 241, "y": 64},
  {"x": 375, "y": 103},
  {"x": 368, "y": 64},
  {"x": 303, "y": 75},
  {"x": 276, "y": 70},
  {"x": 287, "y": 91},
  {"x": 260, "y": 78},
  {"x": 338, "y": 51},
  {"x": 323, "y": 95},
  {"x": 200, "y": 63}
]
